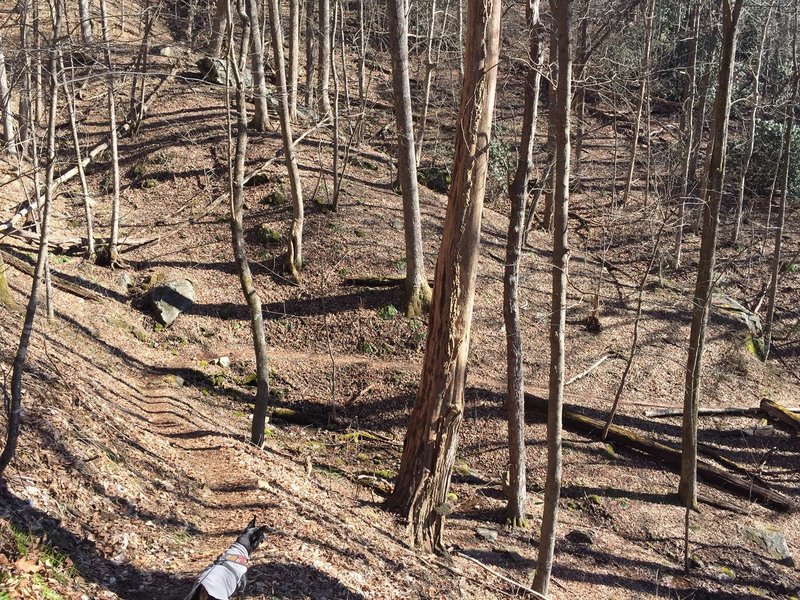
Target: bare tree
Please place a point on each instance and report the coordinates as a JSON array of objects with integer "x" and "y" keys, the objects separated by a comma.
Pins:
[
  {"x": 644, "y": 92},
  {"x": 113, "y": 251},
  {"x": 429, "y": 451},
  {"x": 324, "y": 62},
  {"x": 516, "y": 489},
  {"x": 260, "y": 121},
  {"x": 310, "y": 37},
  {"x": 14, "y": 406},
  {"x": 561, "y": 11},
  {"x": 218, "y": 26},
  {"x": 687, "y": 122},
  {"x": 294, "y": 253},
  {"x": 751, "y": 129},
  {"x": 417, "y": 291},
  {"x": 708, "y": 246},
  {"x": 786, "y": 158},
  {"x": 5, "y": 105},
  {"x": 69, "y": 92},
  {"x": 294, "y": 54},
  {"x": 236, "y": 182},
  {"x": 85, "y": 16}
]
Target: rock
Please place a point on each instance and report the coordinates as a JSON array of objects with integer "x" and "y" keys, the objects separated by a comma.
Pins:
[
  {"x": 772, "y": 540},
  {"x": 178, "y": 381},
  {"x": 125, "y": 281},
  {"x": 583, "y": 537},
  {"x": 170, "y": 51},
  {"x": 170, "y": 299},
  {"x": 224, "y": 362},
  {"x": 213, "y": 70},
  {"x": 485, "y": 533}
]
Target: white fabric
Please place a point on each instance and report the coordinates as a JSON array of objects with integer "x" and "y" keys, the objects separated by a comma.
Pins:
[{"x": 221, "y": 580}]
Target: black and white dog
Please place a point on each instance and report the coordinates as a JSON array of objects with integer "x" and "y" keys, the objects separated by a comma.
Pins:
[{"x": 227, "y": 577}]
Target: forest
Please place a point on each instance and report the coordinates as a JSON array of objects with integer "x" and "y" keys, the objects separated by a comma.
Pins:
[{"x": 445, "y": 298}]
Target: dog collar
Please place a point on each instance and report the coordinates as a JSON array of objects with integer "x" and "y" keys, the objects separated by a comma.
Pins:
[{"x": 240, "y": 560}]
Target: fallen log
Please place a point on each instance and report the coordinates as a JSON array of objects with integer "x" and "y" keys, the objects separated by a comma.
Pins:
[
  {"x": 75, "y": 290},
  {"x": 780, "y": 413},
  {"x": 374, "y": 281},
  {"x": 574, "y": 421},
  {"x": 742, "y": 411}
]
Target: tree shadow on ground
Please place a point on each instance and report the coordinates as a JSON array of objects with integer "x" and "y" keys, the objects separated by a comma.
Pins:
[{"x": 296, "y": 581}]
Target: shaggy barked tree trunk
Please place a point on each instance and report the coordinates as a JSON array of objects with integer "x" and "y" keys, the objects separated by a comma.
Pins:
[{"x": 429, "y": 451}]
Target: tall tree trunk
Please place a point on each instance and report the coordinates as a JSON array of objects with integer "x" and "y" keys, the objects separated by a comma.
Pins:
[
  {"x": 294, "y": 254},
  {"x": 236, "y": 180},
  {"x": 294, "y": 54},
  {"x": 687, "y": 122},
  {"x": 218, "y": 27},
  {"x": 310, "y": 35},
  {"x": 429, "y": 451},
  {"x": 580, "y": 96},
  {"x": 547, "y": 215},
  {"x": 69, "y": 92},
  {"x": 516, "y": 490},
  {"x": 561, "y": 10},
  {"x": 751, "y": 129},
  {"x": 5, "y": 105},
  {"x": 708, "y": 247},
  {"x": 260, "y": 120},
  {"x": 113, "y": 251},
  {"x": 25, "y": 116},
  {"x": 86, "y": 21},
  {"x": 417, "y": 291},
  {"x": 324, "y": 62},
  {"x": 14, "y": 407},
  {"x": 336, "y": 124},
  {"x": 643, "y": 93},
  {"x": 426, "y": 86},
  {"x": 786, "y": 159}
]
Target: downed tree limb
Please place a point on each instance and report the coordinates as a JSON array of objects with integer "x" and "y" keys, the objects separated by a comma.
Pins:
[
  {"x": 523, "y": 588},
  {"x": 593, "y": 366},
  {"x": 780, "y": 413},
  {"x": 374, "y": 281},
  {"x": 75, "y": 290},
  {"x": 743, "y": 411},
  {"x": 26, "y": 207},
  {"x": 711, "y": 451},
  {"x": 574, "y": 421}
]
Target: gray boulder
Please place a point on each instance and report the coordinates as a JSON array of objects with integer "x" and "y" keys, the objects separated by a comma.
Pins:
[
  {"x": 213, "y": 70},
  {"x": 170, "y": 299}
]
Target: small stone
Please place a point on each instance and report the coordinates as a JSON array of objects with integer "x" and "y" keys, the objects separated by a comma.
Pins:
[
  {"x": 125, "y": 281},
  {"x": 178, "y": 381},
  {"x": 582, "y": 537},
  {"x": 490, "y": 535},
  {"x": 224, "y": 362}
]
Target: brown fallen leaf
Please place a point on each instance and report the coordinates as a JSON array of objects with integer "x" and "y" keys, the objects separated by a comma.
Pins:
[{"x": 26, "y": 565}]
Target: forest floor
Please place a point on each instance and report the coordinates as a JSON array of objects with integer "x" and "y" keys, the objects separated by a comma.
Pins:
[{"x": 134, "y": 469}]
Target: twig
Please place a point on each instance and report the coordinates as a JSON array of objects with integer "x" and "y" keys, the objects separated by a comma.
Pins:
[
  {"x": 593, "y": 366},
  {"x": 524, "y": 588}
]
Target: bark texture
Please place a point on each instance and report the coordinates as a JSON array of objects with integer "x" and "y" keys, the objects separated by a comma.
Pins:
[{"x": 430, "y": 445}]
